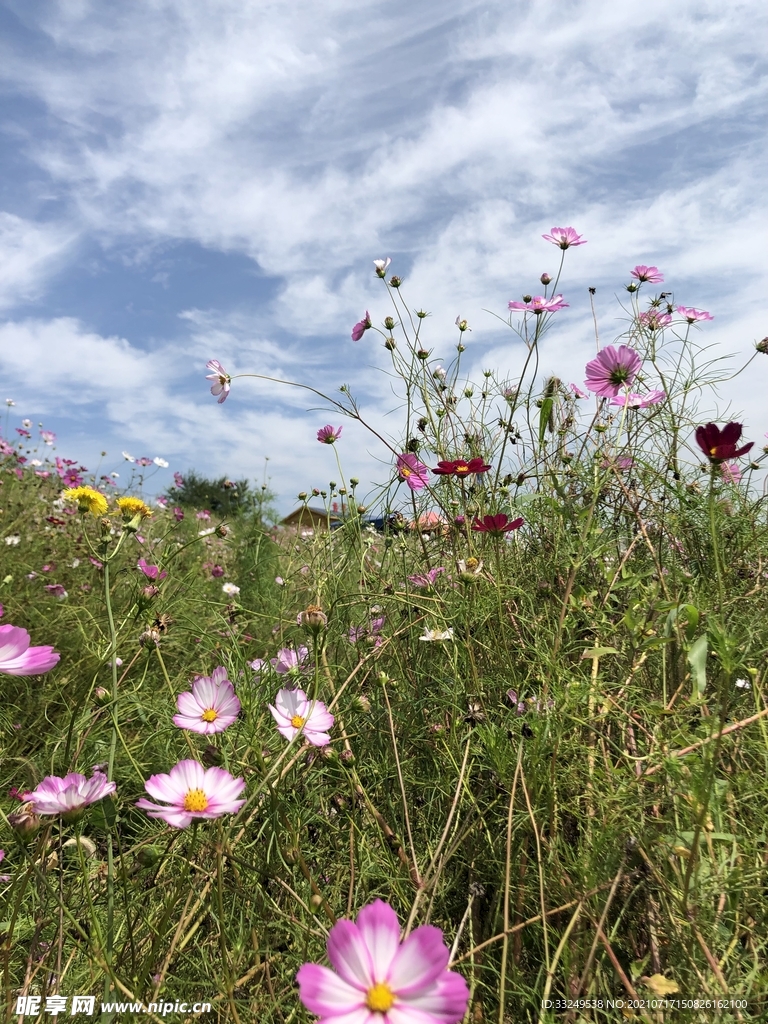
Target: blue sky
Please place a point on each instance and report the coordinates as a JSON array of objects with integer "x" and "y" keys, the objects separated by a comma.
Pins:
[{"x": 186, "y": 181}]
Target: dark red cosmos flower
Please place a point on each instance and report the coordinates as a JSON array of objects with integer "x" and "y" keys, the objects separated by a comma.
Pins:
[
  {"x": 460, "y": 467},
  {"x": 718, "y": 444},
  {"x": 496, "y": 525}
]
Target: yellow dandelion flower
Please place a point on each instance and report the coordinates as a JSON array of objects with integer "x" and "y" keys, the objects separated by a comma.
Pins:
[
  {"x": 132, "y": 507},
  {"x": 88, "y": 500}
]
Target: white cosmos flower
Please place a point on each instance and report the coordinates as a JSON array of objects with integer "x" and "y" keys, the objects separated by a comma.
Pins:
[
  {"x": 742, "y": 684},
  {"x": 437, "y": 634},
  {"x": 231, "y": 589},
  {"x": 130, "y": 458},
  {"x": 160, "y": 462},
  {"x": 12, "y": 540},
  {"x": 206, "y": 533}
]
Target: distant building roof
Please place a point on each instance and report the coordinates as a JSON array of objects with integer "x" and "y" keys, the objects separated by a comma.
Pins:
[{"x": 309, "y": 514}]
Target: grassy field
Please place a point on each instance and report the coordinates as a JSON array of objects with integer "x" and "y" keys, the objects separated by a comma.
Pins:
[{"x": 549, "y": 736}]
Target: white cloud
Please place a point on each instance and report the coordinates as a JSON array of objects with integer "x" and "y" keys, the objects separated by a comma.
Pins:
[
  {"x": 317, "y": 136},
  {"x": 29, "y": 254}
]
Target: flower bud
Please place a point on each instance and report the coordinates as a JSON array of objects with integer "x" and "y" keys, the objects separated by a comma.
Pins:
[
  {"x": 361, "y": 509},
  {"x": 313, "y": 617},
  {"x": 631, "y": 288},
  {"x": 545, "y": 279},
  {"x": 395, "y": 281},
  {"x": 390, "y": 344},
  {"x": 468, "y": 392},
  {"x": 150, "y": 591},
  {"x": 762, "y": 346},
  {"x": 101, "y": 696},
  {"x": 462, "y": 325},
  {"x": 24, "y": 821},
  {"x": 421, "y": 314},
  {"x": 316, "y": 902},
  {"x": 353, "y": 481},
  {"x": 302, "y": 495},
  {"x": 315, "y": 491},
  {"x": 461, "y": 348},
  {"x": 527, "y": 298},
  {"x": 221, "y": 531},
  {"x": 423, "y": 354},
  {"x": 147, "y": 856},
  {"x": 389, "y": 322}
]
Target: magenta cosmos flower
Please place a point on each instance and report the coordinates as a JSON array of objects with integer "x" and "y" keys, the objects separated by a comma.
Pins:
[
  {"x": 361, "y": 327},
  {"x": 17, "y": 658},
  {"x": 426, "y": 579},
  {"x": 380, "y": 980},
  {"x": 328, "y": 434},
  {"x": 152, "y": 572},
  {"x": 412, "y": 471},
  {"x": 564, "y": 238},
  {"x": 541, "y": 304},
  {"x": 611, "y": 370},
  {"x": 496, "y": 525},
  {"x": 69, "y": 795},
  {"x": 635, "y": 401},
  {"x": 294, "y": 713},
  {"x": 221, "y": 379},
  {"x": 460, "y": 467},
  {"x": 719, "y": 445},
  {"x": 210, "y": 707},
  {"x": 650, "y": 274},
  {"x": 192, "y": 792},
  {"x": 692, "y": 315}
]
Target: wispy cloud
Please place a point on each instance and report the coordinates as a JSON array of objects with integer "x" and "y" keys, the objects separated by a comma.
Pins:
[{"x": 315, "y": 137}]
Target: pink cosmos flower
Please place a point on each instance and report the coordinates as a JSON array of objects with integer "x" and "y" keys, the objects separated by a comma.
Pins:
[
  {"x": 496, "y": 525},
  {"x": 211, "y": 707},
  {"x": 203, "y": 514},
  {"x": 178, "y": 479},
  {"x": 361, "y": 327},
  {"x": 611, "y": 370},
  {"x": 288, "y": 661},
  {"x": 380, "y": 980},
  {"x": 427, "y": 579},
  {"x": 635, "y": 401},
  {"x": 178, "y": 514},
  {"x": 650, "y": 274},
  {"x": 328, "y": 434},
  {"x": 414, "y": 473},
  {"x": 56, "y": 590},
  {"x": 622, "y": 463},
  {"x": 541, "y": 304},
  {"x": 47, "y": 436},
  {"x": 294, "y": 713},
  {"x": 564, "y": 238},
  {"x": 731, "y": 472},
  {"x": 692, "y": 315},
  {"x": 654, "y": 320},
  {"x": 152, "y": 572},
  {"x": 17, "y": 658},
  {"x": 192, "y": 792},
  {"x": 66, "y": 796},
  {"x": 357, "y": 633},
  {"x": 577, "y": 392},
  {"x": 221, "y": 379}
]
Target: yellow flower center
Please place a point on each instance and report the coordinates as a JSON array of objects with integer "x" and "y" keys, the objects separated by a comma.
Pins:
[
  {"x": 297, "y": 721},
  {"x": 195, "y": 800},
  {"x": 471, "y": 563},
  {"x": 462, "y": 469},
  {"x": 404, "y": 471},
  {"x": 713, "y": 451},
  {"x": 380, "y": 998},
  {"x": 209, "y": 715}
]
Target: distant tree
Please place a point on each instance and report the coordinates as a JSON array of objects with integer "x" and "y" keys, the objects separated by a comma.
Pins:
[{"x": 223, "y": 496}]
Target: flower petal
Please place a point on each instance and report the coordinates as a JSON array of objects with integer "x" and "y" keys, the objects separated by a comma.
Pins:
[
  {"x": 325, "y": 993},
  {"x": 419, "y": 961},
  {"x": 349, "y": 955},
  {"x": 380, "y": 929}
]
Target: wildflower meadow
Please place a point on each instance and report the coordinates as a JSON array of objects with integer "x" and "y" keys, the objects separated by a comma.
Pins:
[{"x": 487, "y": 742}]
